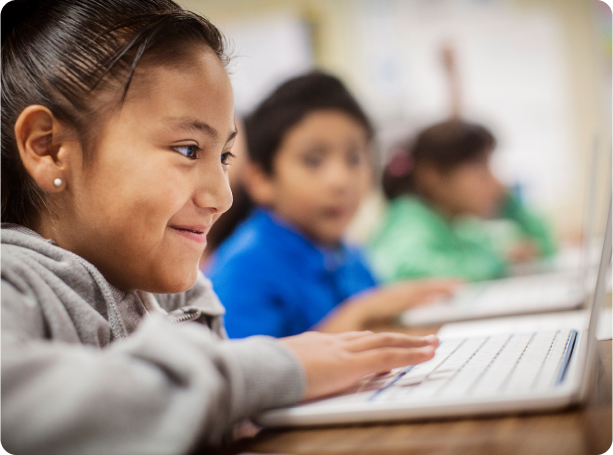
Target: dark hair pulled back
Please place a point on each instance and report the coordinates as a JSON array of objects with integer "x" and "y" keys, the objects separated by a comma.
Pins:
[
  {"x": 445, "y": 146},
  {"x": 62, "y": 53}
]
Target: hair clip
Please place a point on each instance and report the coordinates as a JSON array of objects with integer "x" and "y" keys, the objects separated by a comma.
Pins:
[{"x": 400, "y": 164}]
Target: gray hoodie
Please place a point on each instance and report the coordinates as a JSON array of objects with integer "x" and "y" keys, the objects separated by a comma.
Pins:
[{"x": 89, "y": 369}]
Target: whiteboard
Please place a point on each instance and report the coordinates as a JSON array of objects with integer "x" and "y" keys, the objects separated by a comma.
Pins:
[
  {"x": 265, "y": 51},
  {"x": 512, "y": 75}
]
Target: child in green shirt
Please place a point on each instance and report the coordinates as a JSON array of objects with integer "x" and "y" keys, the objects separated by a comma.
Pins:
[{"x": 440, "y": 192}]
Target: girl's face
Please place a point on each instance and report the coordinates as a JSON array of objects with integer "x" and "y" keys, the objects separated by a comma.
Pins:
[
  {"x": 468, "y": 189},
  {"x": 321, "y": 172},
  {"x": 140, "y": 208}
]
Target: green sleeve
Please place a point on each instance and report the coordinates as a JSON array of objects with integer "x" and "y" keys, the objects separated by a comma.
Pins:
[{"x": 532, "y": 226}]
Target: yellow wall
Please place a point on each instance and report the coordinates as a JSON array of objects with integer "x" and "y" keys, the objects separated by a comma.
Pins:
[
  {"x": 585, "y": 66},
  {"x": 334, "y": 52}
]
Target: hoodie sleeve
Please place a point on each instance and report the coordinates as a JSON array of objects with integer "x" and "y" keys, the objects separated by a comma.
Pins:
[{"x": 162, "y": 390}]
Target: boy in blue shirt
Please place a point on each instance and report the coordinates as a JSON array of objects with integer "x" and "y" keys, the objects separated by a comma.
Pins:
[{"x": 286, "y": 270}]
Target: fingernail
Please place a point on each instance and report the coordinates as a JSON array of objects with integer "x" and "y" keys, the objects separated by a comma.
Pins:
[
  {"x": 432, "y": 339},
  {"x": 428, "y": 350}
]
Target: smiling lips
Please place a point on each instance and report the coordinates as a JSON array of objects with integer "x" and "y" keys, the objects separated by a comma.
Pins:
[{"x": 195, "y": 233}]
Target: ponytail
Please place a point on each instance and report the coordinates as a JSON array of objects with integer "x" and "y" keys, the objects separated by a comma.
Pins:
[{"x": 398, "y": 174}]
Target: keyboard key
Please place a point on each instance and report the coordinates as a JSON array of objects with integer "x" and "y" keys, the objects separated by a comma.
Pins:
[
  {"x": 495, "y": 376},
  {"x": 549, "y": 372},
  {"x": 530, "y": 364},
  {"x": 422, "y": 370},
  {"x": 468, "y": 375},
  {"x": 446, "y": 370}
]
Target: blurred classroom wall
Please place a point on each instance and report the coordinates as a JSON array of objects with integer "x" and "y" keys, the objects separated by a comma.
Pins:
[{"x": 537, "y": 72}]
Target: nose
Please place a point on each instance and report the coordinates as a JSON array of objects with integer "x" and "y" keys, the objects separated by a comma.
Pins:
[
  {"x": 338, "y": 176},
  {"x": 213, "y": 188}
]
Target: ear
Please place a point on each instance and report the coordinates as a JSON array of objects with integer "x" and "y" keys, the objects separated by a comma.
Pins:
[
  {"x": 44, "y": 147},
  {"x": 259, "y": 185}
]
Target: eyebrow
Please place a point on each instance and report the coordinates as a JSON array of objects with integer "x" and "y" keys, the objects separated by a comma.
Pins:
[{"x": 193, "y": 124}]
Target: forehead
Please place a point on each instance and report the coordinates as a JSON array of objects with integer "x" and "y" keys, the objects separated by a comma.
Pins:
[
  {"x": 197, "y": 86},
  {"x": 327, "y": 124}
]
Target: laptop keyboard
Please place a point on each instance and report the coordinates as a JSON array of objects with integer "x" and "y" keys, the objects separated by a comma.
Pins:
[{"x": 481, "y": 366}]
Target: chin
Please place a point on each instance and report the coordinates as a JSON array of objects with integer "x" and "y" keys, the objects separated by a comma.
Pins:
[
  {"x": 331, "y": 239},
  {"x": 174, "y": 282}
]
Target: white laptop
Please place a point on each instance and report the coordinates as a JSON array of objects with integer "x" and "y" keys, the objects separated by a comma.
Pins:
[
  {"x": 509, "y": 296},
  {"x": 539, "y": 293},
  {"x": 486, "y": 374}
]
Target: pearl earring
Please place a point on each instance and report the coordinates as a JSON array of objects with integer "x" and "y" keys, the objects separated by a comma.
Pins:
[{"x": 57, "y": 183}]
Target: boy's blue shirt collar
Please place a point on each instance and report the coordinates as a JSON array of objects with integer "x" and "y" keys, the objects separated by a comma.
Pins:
[
  {"x": 313, "y": 255},
  {"x": 289, "y": 282}
]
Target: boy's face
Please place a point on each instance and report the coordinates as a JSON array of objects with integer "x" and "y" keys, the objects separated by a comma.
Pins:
[
  {"x": 141, "y": 207},
  {"x": 321, "y": 172}
]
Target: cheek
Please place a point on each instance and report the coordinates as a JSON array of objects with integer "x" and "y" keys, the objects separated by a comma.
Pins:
[
  {"x": 481, "y": 195},
  {"x": 461, "y": 192},
  {"x": 143, "y": 196},
  {"x": 364, "y": 181},
  {"x": 297, "y": 186}
]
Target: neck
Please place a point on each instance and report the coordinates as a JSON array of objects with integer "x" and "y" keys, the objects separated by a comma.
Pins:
[
  {"x": 325, "y": 243},
  {"x": 46, "y": 226},
  {"x": 447, "y": 212}
]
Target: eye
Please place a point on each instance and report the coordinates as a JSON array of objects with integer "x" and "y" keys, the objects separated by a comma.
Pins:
[
  {"x": 312, "y": 160},
  {"x": 356, "y": 154},
  {"x": 354, "y": 158},
  {"x": 227, "y": 157},
  {"x": 188, "y": 151}
]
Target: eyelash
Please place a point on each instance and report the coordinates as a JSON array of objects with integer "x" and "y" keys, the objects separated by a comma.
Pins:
[
  {"x": 194, "y": 149},
  {"x": 195, "y": 152},
  {"x": 225, "y": 156}
]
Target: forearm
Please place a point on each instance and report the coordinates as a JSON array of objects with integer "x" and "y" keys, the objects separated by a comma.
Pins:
[
  {"x": 373, "y": 304},
  {"x": 161, "y": 390},
  {"x": 350, "y": 315}
]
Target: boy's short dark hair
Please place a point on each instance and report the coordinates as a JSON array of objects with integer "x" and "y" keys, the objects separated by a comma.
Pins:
[{"x": 293, "y": 100}]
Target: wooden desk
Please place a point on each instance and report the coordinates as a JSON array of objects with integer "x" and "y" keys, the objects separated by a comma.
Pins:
[{"x": 583, "y": 430}]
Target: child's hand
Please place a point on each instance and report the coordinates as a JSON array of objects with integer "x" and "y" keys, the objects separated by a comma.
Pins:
[
  {"x": 393, "y": 299},
  {"x": 334, "y": 362},
  {"x": 386, "y": 302},
  {"x": 523, "y": 251}
]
